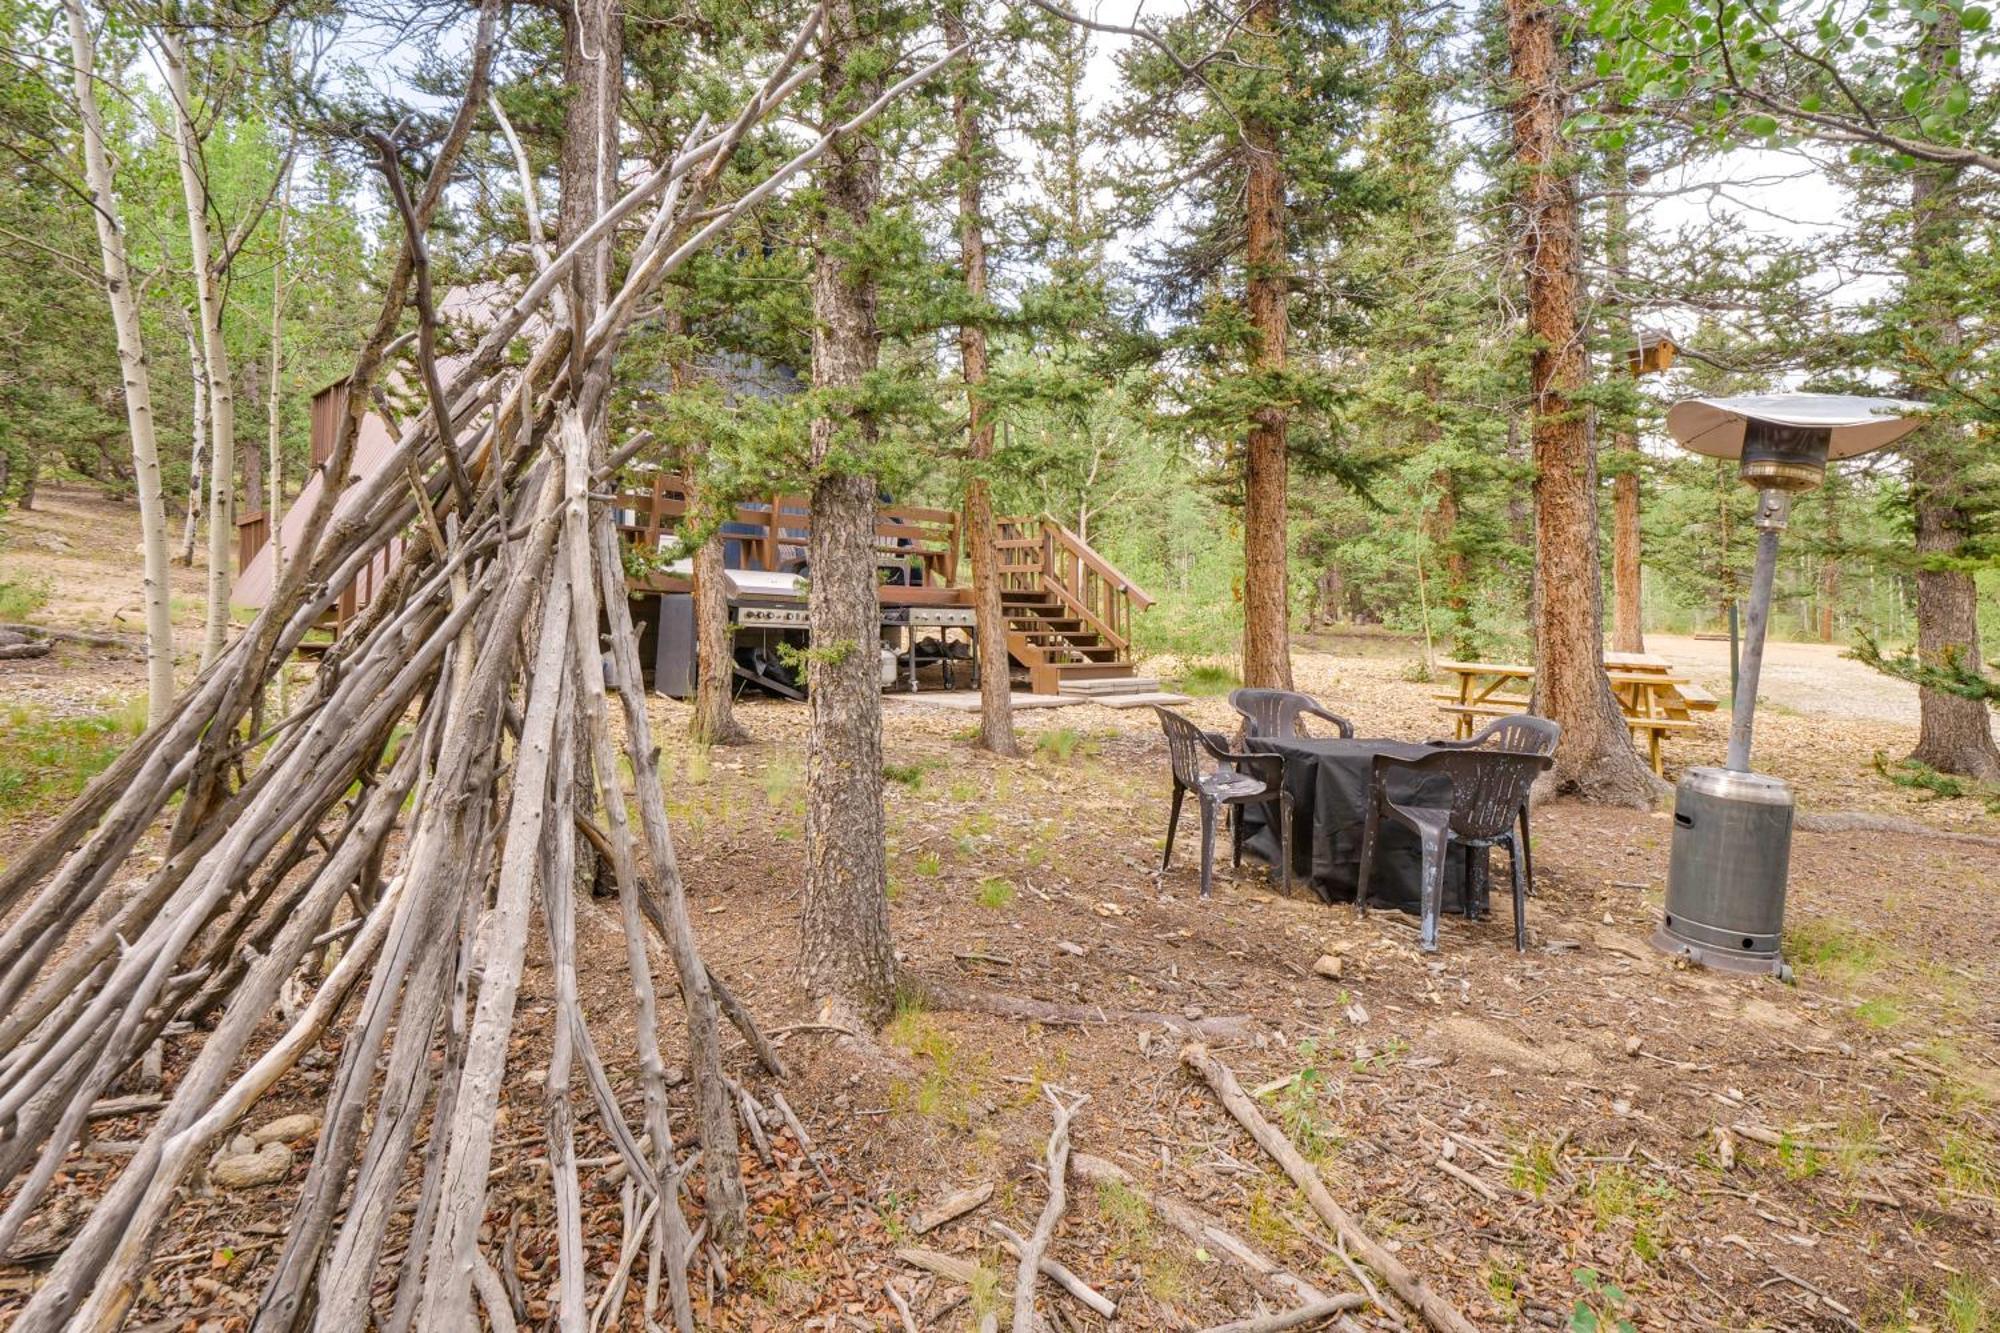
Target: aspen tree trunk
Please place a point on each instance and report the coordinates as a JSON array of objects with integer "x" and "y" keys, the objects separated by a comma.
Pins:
[
  {"x": 1627, "y": 627},
  {"x": 198, "y": 376},
  {"x": 1267, "y": 655},
  {"x": 274, "y": 504},
  {"x": 1954, "y": 734},
  {"x": 846, "y": 958},
  {"x": 996, "y": 714},
  {"x": 1595, "y": 759},
  {"x": 215, "y": 354},
  {"x": 132, "y": 367}
]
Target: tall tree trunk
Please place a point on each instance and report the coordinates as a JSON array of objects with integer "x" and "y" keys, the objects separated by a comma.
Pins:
[
  {"x": 250, "y": 467},
  {"x": 274, "y": 509},
  {"x": 198, "y": 449},
  {"x": 132, "y": 366},
  {"x": 1595, "y": 759},
  {"x": 1829, "y": 565},
  {"x": 1441, "y": 525},
  {"x": 714, "y": 721},
  {"x": 1954, "y": 734},
  {"x": 1627, "y": 620},
  {"x": 846, "y": 958},
  {"x": 586, "y": 172},
  {"x": 214, "y": 352},
  {"x": 1267, "y": 654},
  {"x": 996, "y": 709},
  {"x": 1627, "y": 626}
]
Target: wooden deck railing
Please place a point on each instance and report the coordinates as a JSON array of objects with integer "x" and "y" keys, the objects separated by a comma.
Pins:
[
  {"x": 1040, "y": 555},
  {"x": 773, "y": 533}
]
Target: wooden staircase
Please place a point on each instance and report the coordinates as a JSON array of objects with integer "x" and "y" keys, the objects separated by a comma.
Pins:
[{"x": 1069, "y": 611}]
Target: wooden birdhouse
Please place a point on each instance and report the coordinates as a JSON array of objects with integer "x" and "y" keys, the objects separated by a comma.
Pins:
[{"x": 1651, "y": 354}]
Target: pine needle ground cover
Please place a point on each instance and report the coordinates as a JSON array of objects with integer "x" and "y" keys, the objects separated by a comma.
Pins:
[{"x": 1684, "y": 1140}]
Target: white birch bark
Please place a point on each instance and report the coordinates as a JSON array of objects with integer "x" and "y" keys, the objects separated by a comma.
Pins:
[
  {"x": 274, "y": 507},
  {"x": 221, "y": 397},
  {"x": 132, "y": 366},
  {"x": 198, "y": 449}
]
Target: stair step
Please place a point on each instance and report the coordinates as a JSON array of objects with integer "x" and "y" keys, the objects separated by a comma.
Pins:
[
  {"x": 1078, "y": 673},
  {"x": 1094, "y": 685}
]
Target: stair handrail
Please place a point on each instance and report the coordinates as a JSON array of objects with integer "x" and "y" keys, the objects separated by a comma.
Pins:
[
  {"x": 1093, "y": 588},
  {"x": 1105, "y": 569}
]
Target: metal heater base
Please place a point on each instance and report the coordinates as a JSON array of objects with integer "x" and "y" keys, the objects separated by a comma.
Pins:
[{"x": 1731, "y": 857}]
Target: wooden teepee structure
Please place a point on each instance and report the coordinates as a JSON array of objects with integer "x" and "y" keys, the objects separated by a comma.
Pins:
[{"x": 416, "y": 805}]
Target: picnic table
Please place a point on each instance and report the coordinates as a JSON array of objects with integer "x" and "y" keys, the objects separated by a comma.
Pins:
[{"x": 1655, "y": 701}]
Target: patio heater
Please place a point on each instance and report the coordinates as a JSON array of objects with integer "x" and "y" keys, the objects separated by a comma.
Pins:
[{"x": 1733, "y": 828}]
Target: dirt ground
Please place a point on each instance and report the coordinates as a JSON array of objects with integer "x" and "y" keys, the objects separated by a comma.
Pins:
[{"x": 1726, "y": 1153}]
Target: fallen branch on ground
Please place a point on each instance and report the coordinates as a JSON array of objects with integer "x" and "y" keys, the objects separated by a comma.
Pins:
[
  {"x": 1299, "y": 1318},
  {"x": 1265, "y": 1274},
  {"x": 1045, "y": 1226},
  {"x": 1056, "y": 1272},
  {"x": 1437, "y": 1311},
  {"x": 1229, "y": 1027}
]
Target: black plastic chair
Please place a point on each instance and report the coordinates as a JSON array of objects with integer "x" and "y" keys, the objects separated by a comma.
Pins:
[
  {"x": 1488, "y": 789},
  {"x": 1242, "y": 779},
  {"x": 1274, "y": 714},
  {"x": 1523, "y": 733}
]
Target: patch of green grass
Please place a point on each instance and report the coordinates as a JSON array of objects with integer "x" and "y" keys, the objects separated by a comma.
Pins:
[
  {"x": 22, "y": 595},
  {"x": 1266, "y": 1220},
  {"x": 1880, "y": 1011},
  {"x": 946, "y": 1088},
  {"x": 784, "y": 783},
  {"x": 1971, "y": 1305},
  {"x": 1128, "y": 1213},
  {"x": 1061, "y": 744},
  {"x": 910, "y": 775},
  {"x": 1534, "y": 1167},
  {"x": 1503, "y": 1284},
  {"x": 1207, "y": 680},
  {"x": 1856, "y": 1146},
  {"x": 1799, "y": 1161},
  {"x": 695, "y": 765},
  {"x": 1834, "y": 950},
  {"x": 1617, "y": 1196},
  {"x": 995, "y": 892},
  {"x": 985, "y": 1292},
  {"x": 1968, "y": 1164},
  {"x": 929, "y": 864},
  {"x": 46, "y": 761},
  {"x": 1135, "y": 1239}
]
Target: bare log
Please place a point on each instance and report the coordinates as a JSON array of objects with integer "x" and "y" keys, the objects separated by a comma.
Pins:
[
  {"x": 1045, "y": 1226},
  {"x": 1265, "y": 1274},
  {"x": 1299, "y": 1318},
  {"x": 1056, "y": 1272},
  {"x": 1437, "y": 1311}
]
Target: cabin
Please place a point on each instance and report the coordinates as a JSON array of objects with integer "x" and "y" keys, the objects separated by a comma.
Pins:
[{"x": 1069, "y": 611}]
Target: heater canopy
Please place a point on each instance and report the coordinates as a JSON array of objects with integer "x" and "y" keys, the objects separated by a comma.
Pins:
[{"x": 1854, "y": 425}]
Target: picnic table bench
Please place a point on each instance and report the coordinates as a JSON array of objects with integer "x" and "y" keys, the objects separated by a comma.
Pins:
[{"x": 1656, "y": 702}]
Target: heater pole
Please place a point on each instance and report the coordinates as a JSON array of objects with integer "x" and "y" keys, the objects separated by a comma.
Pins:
[{"x": 1774, "y": 508}]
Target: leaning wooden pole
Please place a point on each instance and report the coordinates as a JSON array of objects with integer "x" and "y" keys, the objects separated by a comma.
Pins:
[
  {"x": 1438, "y": 1312},
  {"x": 418, "y": 796}
]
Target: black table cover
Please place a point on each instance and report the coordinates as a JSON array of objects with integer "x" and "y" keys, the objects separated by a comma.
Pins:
[{"x": 1328, "y": 782}]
